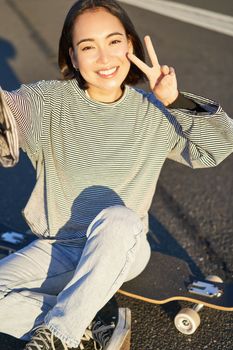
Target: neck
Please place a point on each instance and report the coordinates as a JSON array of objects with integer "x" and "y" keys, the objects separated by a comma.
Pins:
[{"x": 104, "y": 96}]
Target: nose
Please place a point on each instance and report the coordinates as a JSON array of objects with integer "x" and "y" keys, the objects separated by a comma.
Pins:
[{"x": 103, "y": 56}]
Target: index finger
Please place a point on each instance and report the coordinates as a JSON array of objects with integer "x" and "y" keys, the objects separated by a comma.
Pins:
[
  {"x": 139, "y": 63},
  {"x": 151, "y": 52}
]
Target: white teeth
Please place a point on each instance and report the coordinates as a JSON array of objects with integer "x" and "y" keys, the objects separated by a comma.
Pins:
[{"x": 107, "y": 72}]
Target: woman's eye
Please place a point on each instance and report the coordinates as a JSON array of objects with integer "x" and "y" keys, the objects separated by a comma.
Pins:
[
  {"x": 86, "y": 48},
  {"x": 115, "y": 42}
]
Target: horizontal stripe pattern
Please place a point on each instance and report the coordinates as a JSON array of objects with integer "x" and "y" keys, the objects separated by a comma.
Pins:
[{"x": 90, "y": 155}]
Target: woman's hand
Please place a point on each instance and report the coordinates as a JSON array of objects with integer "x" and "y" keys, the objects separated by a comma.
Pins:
[{"x": 162, "y": 79}]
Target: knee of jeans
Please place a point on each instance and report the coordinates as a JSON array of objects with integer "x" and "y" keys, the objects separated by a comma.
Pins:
[{"x": 121, "y": 220}]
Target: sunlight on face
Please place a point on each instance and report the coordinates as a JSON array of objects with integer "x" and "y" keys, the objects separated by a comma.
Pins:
[{"x": 100, "y": 48}]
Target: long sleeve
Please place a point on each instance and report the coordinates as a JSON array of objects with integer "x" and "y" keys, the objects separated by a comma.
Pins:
[
  {"x": 9, "y": 140},
  {"x": 199, "y": 139},
  {"x": 25, "y": 106}
]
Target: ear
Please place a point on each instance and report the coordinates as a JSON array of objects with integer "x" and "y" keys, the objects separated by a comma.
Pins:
[{"x": 73, "y": 57}]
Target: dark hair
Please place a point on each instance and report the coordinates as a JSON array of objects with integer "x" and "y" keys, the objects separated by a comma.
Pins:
[{"x": 68, "y": 71}]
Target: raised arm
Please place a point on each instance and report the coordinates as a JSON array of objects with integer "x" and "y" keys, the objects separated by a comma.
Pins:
[
  {"x": 199, "y": 133},
  {"x": 162, "y": 79}
]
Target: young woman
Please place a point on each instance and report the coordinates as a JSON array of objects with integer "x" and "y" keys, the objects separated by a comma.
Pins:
[{"x": 98, "y": 146}]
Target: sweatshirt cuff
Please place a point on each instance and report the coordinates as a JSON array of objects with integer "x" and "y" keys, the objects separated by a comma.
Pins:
[{"x": 185, "y": 103}]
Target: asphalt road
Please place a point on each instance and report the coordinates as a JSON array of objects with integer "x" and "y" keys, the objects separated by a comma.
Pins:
[{"x": 192, "y": 210}]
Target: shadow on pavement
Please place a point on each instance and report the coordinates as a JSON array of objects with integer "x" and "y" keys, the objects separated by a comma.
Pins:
[
  {"x": 161, "y": 240},
  {"x": 8, "y": 78},
  {"x": 15, "y": 183}
]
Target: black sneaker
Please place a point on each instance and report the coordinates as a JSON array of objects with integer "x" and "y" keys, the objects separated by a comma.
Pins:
[
  {"x": 43, "y": 339},
  {"x": 111, "y": 327}
]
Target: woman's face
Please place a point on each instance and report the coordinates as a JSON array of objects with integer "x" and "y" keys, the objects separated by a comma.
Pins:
[{"x": 100, "y": 48}]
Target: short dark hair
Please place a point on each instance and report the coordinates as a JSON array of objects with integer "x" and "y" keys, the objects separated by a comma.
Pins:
[{"x": 134, "y": 76}]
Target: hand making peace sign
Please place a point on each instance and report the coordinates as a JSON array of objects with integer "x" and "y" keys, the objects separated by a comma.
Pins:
[{"x": 162, "y": 79}]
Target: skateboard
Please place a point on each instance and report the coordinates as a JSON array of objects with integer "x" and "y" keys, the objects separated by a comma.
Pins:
[{"x": 167, "y": 278}]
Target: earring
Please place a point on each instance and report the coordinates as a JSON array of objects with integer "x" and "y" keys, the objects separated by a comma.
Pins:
[{"x": 75, "y": 68}]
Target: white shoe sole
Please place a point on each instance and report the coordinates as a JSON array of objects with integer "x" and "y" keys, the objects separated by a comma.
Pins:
[{"x": 120, "y": 339}]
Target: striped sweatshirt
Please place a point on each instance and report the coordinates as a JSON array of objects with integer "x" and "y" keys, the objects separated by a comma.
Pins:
[{"x": 90, "y": 155}]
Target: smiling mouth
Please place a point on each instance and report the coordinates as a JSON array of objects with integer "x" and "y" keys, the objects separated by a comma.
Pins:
[{"x": 108, "y": 73}]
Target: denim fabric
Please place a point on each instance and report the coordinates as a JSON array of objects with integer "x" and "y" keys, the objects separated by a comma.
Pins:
[{"x": 65, "y": 286}]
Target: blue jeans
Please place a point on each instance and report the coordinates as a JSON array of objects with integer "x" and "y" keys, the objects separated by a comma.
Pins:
[{"x": 65, "y": 286}]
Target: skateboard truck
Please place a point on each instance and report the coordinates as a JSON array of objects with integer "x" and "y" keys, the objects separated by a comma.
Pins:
[{"x": 205, "y": 289}]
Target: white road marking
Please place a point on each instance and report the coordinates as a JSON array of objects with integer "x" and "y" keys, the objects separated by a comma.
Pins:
[
  {"x": 12, "y": 237},
  {"x": 200, "y": 17}
]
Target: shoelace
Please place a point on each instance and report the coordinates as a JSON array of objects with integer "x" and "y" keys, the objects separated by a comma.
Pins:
[
  {"x": 85, "y": 338},
  {"x": 53, "y": 345},
  {"x": 43, "y": 338},
  {"x": 101, "y": 334}
]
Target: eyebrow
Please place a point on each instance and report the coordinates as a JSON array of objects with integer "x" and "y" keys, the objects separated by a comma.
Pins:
[{"x": 91, "y": 39}]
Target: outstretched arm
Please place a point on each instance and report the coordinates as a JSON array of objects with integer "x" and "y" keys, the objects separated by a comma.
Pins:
[
  {"x": 21, "y": 116},
  {"x": 9, "y": 141}
]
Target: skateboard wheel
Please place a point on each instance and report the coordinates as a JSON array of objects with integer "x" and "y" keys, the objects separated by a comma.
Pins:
[
  {"x": 214, "y": 278},
  {"x": 187, "y": 321}
]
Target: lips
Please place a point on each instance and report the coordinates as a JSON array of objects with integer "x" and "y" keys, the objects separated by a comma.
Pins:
[{"x": 107, "y": 73}]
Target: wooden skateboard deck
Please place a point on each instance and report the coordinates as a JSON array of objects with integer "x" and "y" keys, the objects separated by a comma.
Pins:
[{"x": 167, "y": 278}]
